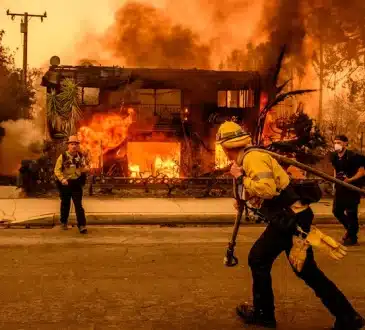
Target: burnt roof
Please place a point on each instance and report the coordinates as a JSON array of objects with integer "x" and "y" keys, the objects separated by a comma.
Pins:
[{"x": 114, "y": 77}]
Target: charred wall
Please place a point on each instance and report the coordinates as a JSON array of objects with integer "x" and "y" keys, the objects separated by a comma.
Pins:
[{"x": 168, "y": 105}]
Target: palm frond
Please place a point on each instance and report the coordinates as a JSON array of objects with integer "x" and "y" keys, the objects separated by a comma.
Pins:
[
  {"x": 69, "y": 96},
  {"x": 280, "y": 98},
  {"x": 64, "y": 108},
  {"x": 53, "y": 107},
  {"x": 278, "y": 66},
  {"x": 277, "y": 100},
  {"x": 281, "y": 87}
]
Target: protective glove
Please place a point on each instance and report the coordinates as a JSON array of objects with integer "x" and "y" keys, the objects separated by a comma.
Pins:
[
  {"x": 236, "y": 170},
  {"x": 298, "y": 253},
  {"x": 326, "y": 243}
]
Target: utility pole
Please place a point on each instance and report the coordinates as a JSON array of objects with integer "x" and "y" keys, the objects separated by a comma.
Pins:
[
  {"x": 322, "y": 33},
  {"x": 24, "y": 30},
  {"x": 320, "y": 110}
]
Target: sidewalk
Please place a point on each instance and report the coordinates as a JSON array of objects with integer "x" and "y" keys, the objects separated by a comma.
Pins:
[{"x": 141, "y": 211}]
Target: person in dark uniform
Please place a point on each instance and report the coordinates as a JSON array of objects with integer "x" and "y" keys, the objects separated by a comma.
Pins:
[
  {"x": 70, "y": 170},
  {"x": 349, "y": 166}
]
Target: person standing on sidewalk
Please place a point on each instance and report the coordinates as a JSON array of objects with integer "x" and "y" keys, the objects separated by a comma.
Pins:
[
  {"x": 260, "y": 176},
  {"x": 349, "y": 167},
  {"x": 70, "y": 170}
]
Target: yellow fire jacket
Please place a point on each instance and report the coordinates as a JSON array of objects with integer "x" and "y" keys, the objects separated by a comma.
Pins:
[
  {"x": 264, "y": 177},
  {"x": 70, "y": 171}
]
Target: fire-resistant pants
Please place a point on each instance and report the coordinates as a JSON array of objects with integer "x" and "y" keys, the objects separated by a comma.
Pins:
[
  {"x": 268, "y": 247},
  {"x": 72, "y": 191}
]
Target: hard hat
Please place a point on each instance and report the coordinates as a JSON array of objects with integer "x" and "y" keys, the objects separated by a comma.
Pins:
[
  {"x": 231, "y": 135},
  {"x": 73, "y": 139}
]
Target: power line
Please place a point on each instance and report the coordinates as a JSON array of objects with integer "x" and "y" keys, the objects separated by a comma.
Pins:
[{"x": 24, "y": 30}]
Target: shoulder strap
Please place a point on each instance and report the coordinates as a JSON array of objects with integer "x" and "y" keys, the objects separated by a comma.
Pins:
[
  {"x": 247, "y": 150},
  {"x": 64, "y": 157}
]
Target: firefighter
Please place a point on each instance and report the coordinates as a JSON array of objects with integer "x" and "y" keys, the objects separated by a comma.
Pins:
[
  {"x": 70, "y": 171},
  {"x": 263, "y": 179}
]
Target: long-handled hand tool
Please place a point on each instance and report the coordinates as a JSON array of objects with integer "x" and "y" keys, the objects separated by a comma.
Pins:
[{"x": 230, "y": 260}]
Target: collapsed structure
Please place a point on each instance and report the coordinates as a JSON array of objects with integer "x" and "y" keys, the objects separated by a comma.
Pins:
[{"x": 138, "y": 122}]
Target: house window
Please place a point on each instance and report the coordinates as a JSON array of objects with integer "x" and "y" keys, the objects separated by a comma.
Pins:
[
  {"x": 243, "y": 98},
  {"x": 232, "y": 99},
  {"x": 90, "y": 96},
  {"x": 222, "y": 99},
  {"x": 161, "y": 102}
]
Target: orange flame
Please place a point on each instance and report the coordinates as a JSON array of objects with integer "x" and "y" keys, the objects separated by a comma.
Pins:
[
  {"x": 108, "y": 131},
  {"x": 221, "y": 160},
  {"x": 104, "y": 133},
  {"x": 154, "y": 158}
]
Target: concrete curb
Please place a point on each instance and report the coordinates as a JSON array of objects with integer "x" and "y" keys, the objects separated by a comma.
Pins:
[{"x": 110, "y": 219}]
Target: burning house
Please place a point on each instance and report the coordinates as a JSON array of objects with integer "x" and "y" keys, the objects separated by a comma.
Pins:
[{"x": 138, "y": 122}]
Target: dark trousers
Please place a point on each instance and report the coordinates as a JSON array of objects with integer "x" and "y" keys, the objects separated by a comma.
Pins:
[
  {"x": 347, "y": 213},
  {"x": 268, "y": 247},
  {"x": 72, "y": 191}
]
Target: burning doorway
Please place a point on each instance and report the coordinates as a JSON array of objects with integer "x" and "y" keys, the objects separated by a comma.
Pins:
[{"x": 154, "y": 158}]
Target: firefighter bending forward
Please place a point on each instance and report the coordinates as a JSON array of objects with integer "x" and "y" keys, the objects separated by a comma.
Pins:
[
  {"x": 70, "y": 170},
  {"x": 263, "y": 178}
]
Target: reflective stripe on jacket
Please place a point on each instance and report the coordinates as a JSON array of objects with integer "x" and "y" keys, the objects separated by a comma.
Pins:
[
  {"x": 69, "y": 170},
  {"x": 264, "y": 177}
]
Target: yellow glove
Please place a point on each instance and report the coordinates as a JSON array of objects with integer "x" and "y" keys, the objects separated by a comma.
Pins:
[
  {"x": 298, "y": 253},
  {"x": 326, "y": 243}
]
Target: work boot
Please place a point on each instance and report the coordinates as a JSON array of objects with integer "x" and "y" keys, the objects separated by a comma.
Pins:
[
  {"x": 83, "y": 230},
  {"x": 355, "y": 323},
  {"x": 345, "y": 237},
  {"x": 64, "y": 226},
  {"x": 256, "y": 317},
  {"x": 350, "y": 241}
]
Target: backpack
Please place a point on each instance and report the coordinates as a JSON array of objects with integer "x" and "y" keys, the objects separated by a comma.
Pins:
[
  {"x": 308, "y": 191},
  {"x": 82, "y": 178}
]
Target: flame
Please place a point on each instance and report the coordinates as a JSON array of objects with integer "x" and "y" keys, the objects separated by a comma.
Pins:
[
  {"x": 134, "y": 169},
  {"x": 166, "y": 167},
  {"x": 221, "y": 160},
  {"x": 154, "y": 158},
  {"x": 105, "y": 132}
]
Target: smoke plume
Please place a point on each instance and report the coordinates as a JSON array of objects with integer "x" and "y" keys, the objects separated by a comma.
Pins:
[
  {"x": 22, "y": 140},
  {"x": 208, "y": 32},
  {"x": 144, "y": 36},
  {"x": 285, "y": 27}
]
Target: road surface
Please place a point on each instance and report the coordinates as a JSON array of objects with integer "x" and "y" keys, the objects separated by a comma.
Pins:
[{"x": 132, "y": 278}]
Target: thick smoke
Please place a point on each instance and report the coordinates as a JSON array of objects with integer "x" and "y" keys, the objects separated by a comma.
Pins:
[
  {"x": 286, "y": 27},
  {"x": 144, "y": 36},
  {"x": 22, "y": 140},
  {"x": 147, "y": 36},
  {"x": 240, "y": 34}
]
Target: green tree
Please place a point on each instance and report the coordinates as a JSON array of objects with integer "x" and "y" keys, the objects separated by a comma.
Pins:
[
  {"x": 15, "y": 98},
  {"x": 345, "y": 117},
  {"x": 340, "y": 29}
]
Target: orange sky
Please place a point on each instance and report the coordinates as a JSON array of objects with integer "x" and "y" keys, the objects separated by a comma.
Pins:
[
  {"x": 69, "y": 20},
  {"x": 66, "y": 21}
]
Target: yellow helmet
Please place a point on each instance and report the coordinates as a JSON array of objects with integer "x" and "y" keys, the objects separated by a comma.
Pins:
[{"x": 231, "y": 135}]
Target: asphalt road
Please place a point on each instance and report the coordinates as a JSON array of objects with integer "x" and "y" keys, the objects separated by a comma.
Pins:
[{"x": 132, "y": 278}]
